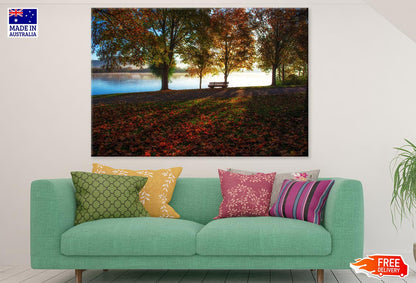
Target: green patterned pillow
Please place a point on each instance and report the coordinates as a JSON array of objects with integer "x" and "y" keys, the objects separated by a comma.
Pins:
[{"x": 101, "y": 196}]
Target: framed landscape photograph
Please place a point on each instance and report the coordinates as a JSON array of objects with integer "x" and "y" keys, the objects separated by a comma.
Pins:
[{"x": 199, "y": 81}]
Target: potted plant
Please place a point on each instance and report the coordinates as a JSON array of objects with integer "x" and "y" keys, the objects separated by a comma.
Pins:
[{"x": 403, "y": 202}]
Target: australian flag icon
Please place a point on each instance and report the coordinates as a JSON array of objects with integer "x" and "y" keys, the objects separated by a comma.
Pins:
[{"x": 23, "y": 16}]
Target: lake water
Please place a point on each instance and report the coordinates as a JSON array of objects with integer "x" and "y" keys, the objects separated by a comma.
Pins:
[{"x": 106, "y": 83}]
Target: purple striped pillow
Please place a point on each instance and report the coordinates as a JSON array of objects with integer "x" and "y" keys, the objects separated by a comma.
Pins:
[{"x": 302, "y": 200}]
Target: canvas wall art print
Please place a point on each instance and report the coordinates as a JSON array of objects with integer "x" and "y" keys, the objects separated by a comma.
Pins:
[{"x": 199, "y": 82}]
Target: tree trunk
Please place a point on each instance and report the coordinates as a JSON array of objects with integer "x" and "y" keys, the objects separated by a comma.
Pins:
[
  {"x": 165, "y": 77},
  {"x": 274, "y": 75},
  {"x": 200, "y": 82},
  {"x": 226, "y": 62},
  {"x": 283, "y": 73},
  {"x": 225, "y": 77}
]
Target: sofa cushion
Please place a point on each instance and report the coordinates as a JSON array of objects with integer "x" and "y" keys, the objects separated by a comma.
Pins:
[
  {"x": 197, "y": 199},
  {"x": 143, "y": 236},
  {"x": 101, "y": 196},
  {"x": 302, "y": 200},
  {"x": 245, "y": 195},
  {"x": 263, "y": 236},
  {"x": 157, "y": 193}
]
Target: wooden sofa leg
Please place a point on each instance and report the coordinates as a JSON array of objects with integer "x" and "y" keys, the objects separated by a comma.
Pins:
[
  {"x": 78, "y": 275},
  {"x": 320, "y": 276}
]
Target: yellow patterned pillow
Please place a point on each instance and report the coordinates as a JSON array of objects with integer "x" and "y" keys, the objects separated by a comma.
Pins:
[{"x": 157, "y": 193}]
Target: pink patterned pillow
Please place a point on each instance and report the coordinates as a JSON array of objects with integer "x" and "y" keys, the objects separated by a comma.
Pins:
[{"x": 245, "y": 195}]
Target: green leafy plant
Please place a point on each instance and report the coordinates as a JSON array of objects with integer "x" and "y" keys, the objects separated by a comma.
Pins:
[{"x": 404, "y": 176}]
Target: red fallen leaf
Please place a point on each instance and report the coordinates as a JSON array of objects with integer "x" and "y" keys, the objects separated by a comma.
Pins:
[{"x": 147, "y": 153}]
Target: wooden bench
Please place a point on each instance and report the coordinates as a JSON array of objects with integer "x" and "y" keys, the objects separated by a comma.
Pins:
[{"x": 218, "y": 84}]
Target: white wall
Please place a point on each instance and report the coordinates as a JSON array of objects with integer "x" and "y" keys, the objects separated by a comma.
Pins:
[
  {"x": 403, "y": 15},
  {"x": 362, "y": 99}
]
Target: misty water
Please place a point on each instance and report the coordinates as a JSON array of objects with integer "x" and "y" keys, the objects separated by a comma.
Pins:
[{"x": 107, "y": 83}]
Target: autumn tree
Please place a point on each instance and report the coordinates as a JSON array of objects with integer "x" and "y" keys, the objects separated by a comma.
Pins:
[
  {"x": 141, "y": 36},
  {"x": 301, "y": 37},
  {"x": 197, "y": 52},
  {"x": 168, "y": 29},
  {"x": 281, "y": 38},
  {"x": 295, "y": 47},
  {"x": 115, "y": 34},
  {"x": 233, "y": 40},
  {"x": 269, "y": 39}
]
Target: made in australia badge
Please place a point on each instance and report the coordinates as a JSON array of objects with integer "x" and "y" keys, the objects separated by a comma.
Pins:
[{"x": 23, "y": 23}]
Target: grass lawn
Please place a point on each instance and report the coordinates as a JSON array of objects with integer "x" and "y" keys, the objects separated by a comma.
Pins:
[{"x": 257, "y": 125}]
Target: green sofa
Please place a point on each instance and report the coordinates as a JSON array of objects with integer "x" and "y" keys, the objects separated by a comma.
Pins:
[{"x": 194, "y": 241}]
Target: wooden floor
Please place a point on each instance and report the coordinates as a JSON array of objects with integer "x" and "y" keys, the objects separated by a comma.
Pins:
[{"x": 16, "y": 274}]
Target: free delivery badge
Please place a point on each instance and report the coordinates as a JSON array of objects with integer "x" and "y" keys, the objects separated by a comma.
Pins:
[
  {"x": 378, "y": 265},
  {"x": 23, "y": 23}
]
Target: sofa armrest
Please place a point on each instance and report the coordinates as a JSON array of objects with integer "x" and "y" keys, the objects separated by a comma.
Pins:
[
  {"x": 52, "y": 212},
  {"x": 344, "y": 219}
]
